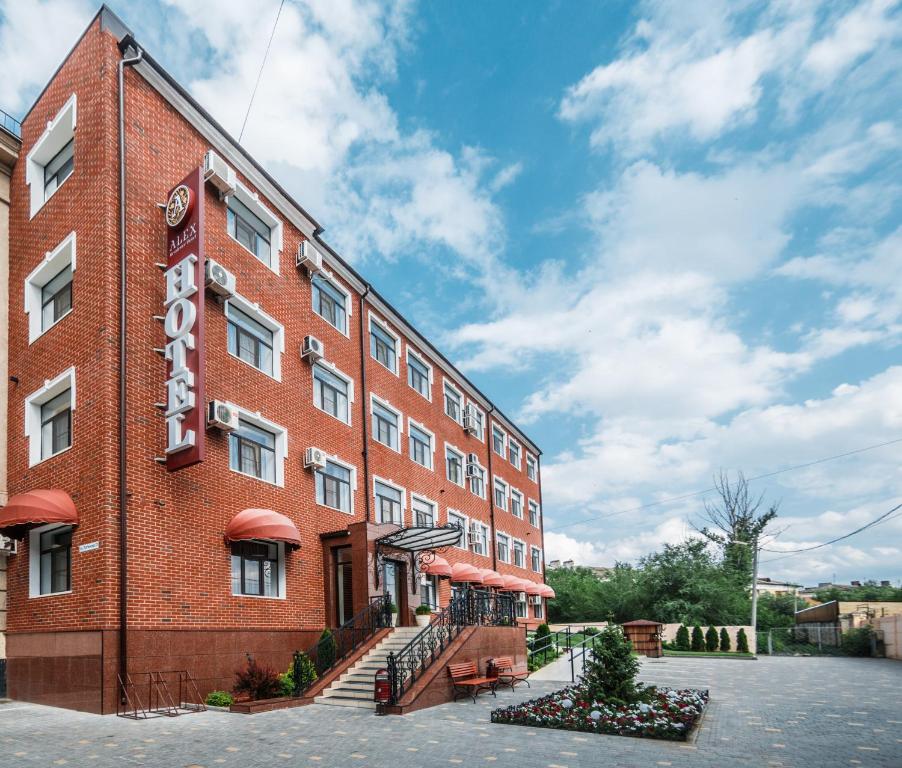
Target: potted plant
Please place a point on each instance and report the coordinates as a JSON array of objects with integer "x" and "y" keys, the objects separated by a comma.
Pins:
[
  {"x": 424, "y": 615},
  {"x": 393, "y": 610}
]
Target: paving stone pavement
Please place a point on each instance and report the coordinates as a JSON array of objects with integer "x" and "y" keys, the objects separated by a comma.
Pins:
[{"x": 774, "y": 713}]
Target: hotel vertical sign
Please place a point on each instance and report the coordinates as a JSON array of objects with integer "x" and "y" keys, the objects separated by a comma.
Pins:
[{"x": 184, "y": 323}]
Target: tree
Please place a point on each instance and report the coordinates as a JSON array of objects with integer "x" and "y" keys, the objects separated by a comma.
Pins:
[
  {"x": 326, "y": 650},
  {"x": 579, "y": 595},
  {"x": 742, "y": 642},
  {"x": 724, "y": 639},
  {"x": 611, "y": 669},
  {"x": 775, "y": 611},
  {"x": 682, "y": 638},
  {"x": 698, "y": 639},
  {"x": 711, "y": 639}
]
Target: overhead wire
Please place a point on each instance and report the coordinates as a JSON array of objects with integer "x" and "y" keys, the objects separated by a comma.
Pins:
[{"x": 260, "y": 73}]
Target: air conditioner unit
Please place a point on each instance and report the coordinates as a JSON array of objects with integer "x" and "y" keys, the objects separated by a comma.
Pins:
[
  {"x": 474, "y": 535},
  {"x": 312, "y": 349},
  {"x": 471, "y": 419},
  {"x": 535, "y": 599},
  {"x": 8, "y": 546},
  {"x": 521, "y": 597},
  {"x": 473, "y": 470},
  {"x": 219, "y": 174},
  {"x": 219, "y": 280},
  {"x": 309, "y": 257},
  {"x": 315, "y": 458},
  {"x": 222, "y": 416}
]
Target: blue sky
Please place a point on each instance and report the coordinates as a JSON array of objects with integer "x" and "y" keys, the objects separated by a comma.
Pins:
[{"x": 665, "y": 236}]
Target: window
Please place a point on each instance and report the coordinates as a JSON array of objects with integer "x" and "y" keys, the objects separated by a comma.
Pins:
[
  {"x": 423, "y": 512},
  {"x": 51, "y": 563},
  {"x": 332, "y": 393},
  {"x": 383, "y": 346},
  {"x": 454, "y": 464},
  {"x": 453, "y": 402},
  {"x": 51, "y": 160},
  {"x": 535, "y": 555},
  {"x": 500, "y": 488},
  {"x": 389, "y": 503},
  {"x": 258, "y": 448},
  {"x": 498, "y": 440},
  {"x": 333, "y": 486},
  {"x": 386, "y": 425},
  {"x": 503, "y": 545},
  {"x": 516, "y": 503},
  {"x": 48, "y": 289},
  {"x": 429, "y": 592},
  {"x": 330, "y": 303},
  {"x": 461, "y": 522},
  {"x": 479, "y": 538},
  {"x": 419, "y": 375},
  {"x": 250, "y": 230},
  {"x": 48, "y": 418},
  {"x": 255, "y": 568},
  {"x": 477, "y": 480},
  {"x": 513, "y": 452},
  {"x": 519, "y": 554},
  {"x": 249, "y": 340},
  {"x": 520, "y": 605},
  {"x": 420, "y": 444},
  {"x": 537, "y": 609},
  {"x": 533, "y": 514},
  {"x": 532, "y": 467}
]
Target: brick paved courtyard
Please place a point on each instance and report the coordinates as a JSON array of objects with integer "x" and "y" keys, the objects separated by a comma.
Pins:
[{"x": 817, "y": 712}]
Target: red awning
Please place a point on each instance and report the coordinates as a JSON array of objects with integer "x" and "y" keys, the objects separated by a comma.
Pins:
[
  {"x": 491, "y": 578},
  {"x": 262, "y": 524},
  {"x": 438, "y": 566},
  {"x": 32, "y": 508},
  {"x": 532, "y": 588},
  {"x": 547, "y": 592},
  {"x": 464, "y": 572},
  {"x": 513, "y": 584}
]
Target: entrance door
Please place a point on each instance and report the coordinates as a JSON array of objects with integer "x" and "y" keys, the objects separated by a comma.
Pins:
[
  {"x": 344, "y": 589},
  {"x": 393, "y": 574}
]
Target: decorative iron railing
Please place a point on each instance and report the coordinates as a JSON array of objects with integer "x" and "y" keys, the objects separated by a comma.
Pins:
[
  {"x": 466, "y": 610},
  {"x": 340, "y": 643}
]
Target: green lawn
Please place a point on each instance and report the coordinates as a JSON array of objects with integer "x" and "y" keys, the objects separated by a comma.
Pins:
[{"x": 712, "y": 654}]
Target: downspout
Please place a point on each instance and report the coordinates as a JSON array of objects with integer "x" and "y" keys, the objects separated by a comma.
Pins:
[
  {"x": 542, "y": 532},
  {"x": 123, "y": 327},
  {"x": 490, "y": 489},
  {"x": 363, "y": 399}
]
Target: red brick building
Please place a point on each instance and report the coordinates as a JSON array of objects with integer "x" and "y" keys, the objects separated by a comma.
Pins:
[{"x": 329, "y": 408}]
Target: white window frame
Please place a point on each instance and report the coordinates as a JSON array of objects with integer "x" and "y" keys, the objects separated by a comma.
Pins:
[
  {"x": 280, "y": 565},
  {"x": 394, "y": 486},
  {"x": 281, "y": 435},
  {"x": 389, "y": 407},
  {"x": 251, "y": 201},
  {"x": 519, "y": 445},
  {"x": 353, "y": 483},
  {"x": 422, "y": 428},
  {"x": 485, "y": 481},
  {"x": 530, "y": 502},
  {"x": 481, "y": 436},
  {"x": 426, "y": 500},
  {"x": 429, "y": 372},
  {"x": 498, "y": 484},
  {"x": 463, "y": 464},
  {"x": 539, "y": 552},
  {"x": 34, "y": 561},
  {"x": 54, "y": 262},
  {"x": 385, "y": 327},
  {"x": 514, "y": 542},
  {"x": 463, "y": 543},
  {"x": 33, "y": 403},
  {"x": 501, "y": 535},
  {"x": 451, "y": 385},
  {"x": 59, "y": 132},
  {"x": 503, "y": 453},
  {"x": 510, "y": 495},
  {"x": 331, "y": 367},
  {"x": 326, "y": 275},
  {"x": 535, "y": 463},
  {"x": 267, "y": 321}
]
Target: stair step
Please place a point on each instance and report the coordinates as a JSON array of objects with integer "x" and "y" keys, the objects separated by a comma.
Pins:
[
  {"x": 349, "y": 693},
  {"x": 337, "y": 701}
]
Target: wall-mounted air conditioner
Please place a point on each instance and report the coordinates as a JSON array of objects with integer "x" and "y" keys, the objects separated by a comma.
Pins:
[
  {"x": 471, "y": 419},
  {"x": 312, "y": 349},
  {"x": 222, "y": 416},
  {"x": 219, "y": 174},
  {"x": 315, "y": 458},
  {"x": 218, "y": 279},
  {"x": 309, "y": 257}
]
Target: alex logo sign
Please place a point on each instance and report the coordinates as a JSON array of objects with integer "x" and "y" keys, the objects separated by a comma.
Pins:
[{"x": 184, "y": 323}]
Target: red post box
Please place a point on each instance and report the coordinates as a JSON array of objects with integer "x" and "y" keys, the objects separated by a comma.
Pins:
[{"x": 382, "y": 687}]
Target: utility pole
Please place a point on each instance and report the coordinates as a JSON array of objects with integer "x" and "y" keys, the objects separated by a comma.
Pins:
[{"x": 755, "y": 592}]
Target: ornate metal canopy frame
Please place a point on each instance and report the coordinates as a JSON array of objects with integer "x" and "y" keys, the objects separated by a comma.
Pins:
[{"x": 418, "y": 544}]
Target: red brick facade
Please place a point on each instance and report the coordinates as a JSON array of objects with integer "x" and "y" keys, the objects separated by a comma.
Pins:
[{"x": 178, "y": 563}]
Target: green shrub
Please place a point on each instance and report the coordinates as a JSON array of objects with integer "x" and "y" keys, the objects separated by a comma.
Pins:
[
  {"x": 326, "y": 650},
  {"x": 257, "y": 682},
  {"x": 218, "y": 699},
  {"x": 857, "y": 642},
  {"x": 711, "y": 639},
  {"x": 724, "y": 639},
  {"x": 392, "y": 608},
  {"x": 698, "y": 639},
  {"x": 423, "y": 610},
  {"x": 681, "y": 643},
  {"x": 742, "y": 641},
  {"x": 303, "y": 673},
  {"x": 610, "y": 670},
  {"x": 591, "y": 631}
]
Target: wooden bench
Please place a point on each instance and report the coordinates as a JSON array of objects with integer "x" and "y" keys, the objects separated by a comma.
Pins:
[
  {"x": 508, "y": 674},
  {"x": 467, "y": 681}
]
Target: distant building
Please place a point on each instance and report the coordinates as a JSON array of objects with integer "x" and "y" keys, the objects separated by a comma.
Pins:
[
  {"x": 775, "y": 587},
  {"x": 847, "y": 614},
  {"x": 601, "y": 571}
]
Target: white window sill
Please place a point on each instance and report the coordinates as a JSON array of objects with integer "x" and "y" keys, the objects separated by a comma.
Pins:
[
  {"x": 269, "y": 266},
  {"x": 254, "y": 477},
  {"x": 52, "y": 325},
  {"x": 48, "y": 458},
  {"x": 260, "y": 597},
  {"x": 50, "y": 594},
  {"x": 254, "y": 367},
  {"x": 335, "y": 509}
]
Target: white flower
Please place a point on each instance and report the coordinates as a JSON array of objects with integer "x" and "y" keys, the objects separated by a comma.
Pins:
[
  {"x": 595, "y": 714},
  {"x": 566, "y": 703}
]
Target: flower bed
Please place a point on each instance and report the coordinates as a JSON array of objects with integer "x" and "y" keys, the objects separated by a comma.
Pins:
[{"x": 662, "y": 714}]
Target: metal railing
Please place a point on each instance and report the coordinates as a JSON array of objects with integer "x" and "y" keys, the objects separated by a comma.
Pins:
[
  {"x": 342, "y": 641},
  {"x": 10, "y": 124},
  {"x": 467, "y": 610},
  {"x": 574, "y": 640}
]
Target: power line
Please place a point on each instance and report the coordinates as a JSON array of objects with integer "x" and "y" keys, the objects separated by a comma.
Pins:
[
  {"x": 684, "y": 496},
  {"x": 260, "y": 73}
]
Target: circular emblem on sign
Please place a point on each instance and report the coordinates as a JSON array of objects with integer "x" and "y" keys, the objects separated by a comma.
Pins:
[{"x": 178, "y": 206}]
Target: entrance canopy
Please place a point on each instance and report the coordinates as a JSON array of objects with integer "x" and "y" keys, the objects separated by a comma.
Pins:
[
  {"x": 263, "y": 524},
  {"x": 33, "y": 508},
  {"x": 419, "y": 538}
]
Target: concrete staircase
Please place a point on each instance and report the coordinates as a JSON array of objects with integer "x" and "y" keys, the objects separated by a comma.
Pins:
[{"x": 354, "y": 688}]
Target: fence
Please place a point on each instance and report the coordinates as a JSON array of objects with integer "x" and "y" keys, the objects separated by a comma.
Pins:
[
  {"x": 891, "y": 627},
  {"x": 668, "y": 633}
]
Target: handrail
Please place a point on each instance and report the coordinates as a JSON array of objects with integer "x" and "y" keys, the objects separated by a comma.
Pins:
[
  {"x": 469, "y": 609},
  {"x": 10, "y": 124},
  {"x": 344, "y": 640},
  {"x": 553, "y": 640}
]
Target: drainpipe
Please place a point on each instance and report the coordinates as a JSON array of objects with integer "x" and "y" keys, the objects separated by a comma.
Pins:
[
  {"x": 363, "y": 399},
  {"x": 123, "y": 490},
  {"x": 542, "y": 532},
  {"x": 490, "y": 488}
]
